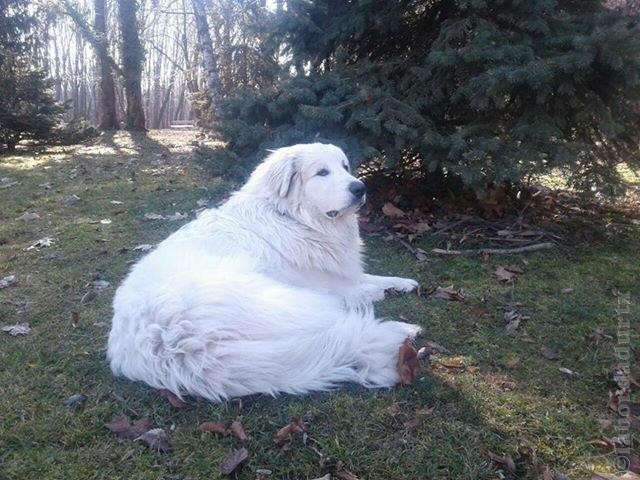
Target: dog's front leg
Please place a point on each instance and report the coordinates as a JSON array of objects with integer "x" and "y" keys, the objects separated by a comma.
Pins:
[{"x": 396, "y": 284}]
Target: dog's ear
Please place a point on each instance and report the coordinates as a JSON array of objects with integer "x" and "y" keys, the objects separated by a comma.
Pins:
[{"x": 282, "y": 172}]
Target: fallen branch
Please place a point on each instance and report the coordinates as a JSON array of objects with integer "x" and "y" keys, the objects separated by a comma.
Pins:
[{"x": 496, "y": 251}]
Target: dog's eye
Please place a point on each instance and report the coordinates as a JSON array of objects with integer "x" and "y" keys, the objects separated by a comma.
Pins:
[
  {"x": 346, "y": 167},
  {"x": 323, "y": 172}
]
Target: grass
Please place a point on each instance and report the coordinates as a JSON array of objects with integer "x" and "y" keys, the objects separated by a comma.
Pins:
[{"x": 508, "y": 399}]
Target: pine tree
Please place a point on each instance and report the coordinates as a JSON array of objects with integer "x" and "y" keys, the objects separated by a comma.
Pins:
[
  {"x": 483, "y": 91},
  {"x": 27, "y": 106}
]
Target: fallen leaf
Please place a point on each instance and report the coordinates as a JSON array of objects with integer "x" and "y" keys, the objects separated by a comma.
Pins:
[
  {"x": 98, "y": 284},
  {"x": 609, "y": 476},
  {"x": 238, "y": 430},
  {"x": 177, "y": 216},
  {"x": 121, "y": 426},
  {"x": 171, "y": 397},
  {"x": 512, "y": 362},
  {"x": 566, "y": 371},
  {"x": 413, "y": 423},
  {"x": 87, "y": 297},
  {"x": 420, "y": 227},
  {"x": 27, "y": 217},
  {"x": 512, "y": 326},
  {"x": 604, "y": 423},
  {"x": 215, "y": 427},
  {"x": 448, "y": 293},
  {"x": 408, "y": 364},
  {"x": 546, "y": 473},
  {"x": 455, "y": 362},
  {"x": 6, "y": 182},
  {"x": 7, "y": 281},
  {"x": 105, "y": 221},
  {"x": 75, "y": 400},
  {"x": 17, "y": 329},
  {"x": 431, "y": 348},
  {"x": 507, "y": 274},
  {"x": 390, "y": 210},
  {"x": 423, "y": 412},
  {"x": 116, "y": 202},
  {"x": 263, "y": 472},
  {"x": 549, "y": 354},
  {"x": 505, "y": 460},
  {"x": 394, "y": 409},
  {"x": 71, "y": 199},
  {"x": 345, "y": 475},
  {"x": 233, "y": 461},
  {"x": 295, "y": 426},
  {"x": 566, "y": 290},
  {"x": 478, "y": 311},
  {"x": 156, "y": 439},
  {"x": 153, "y": 216},
  {"x": 43, "y": 242},
  {"x": 144, "y": 247}
]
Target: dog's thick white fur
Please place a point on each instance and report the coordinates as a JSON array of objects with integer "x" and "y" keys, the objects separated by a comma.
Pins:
[{"x": 265, "y": 294}]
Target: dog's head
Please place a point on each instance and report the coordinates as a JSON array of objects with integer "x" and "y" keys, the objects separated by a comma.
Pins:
[{"x": 314, "y": 179}]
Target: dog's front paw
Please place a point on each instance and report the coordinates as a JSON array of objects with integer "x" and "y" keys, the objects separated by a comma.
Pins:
[{"x": 402, "y": 285}]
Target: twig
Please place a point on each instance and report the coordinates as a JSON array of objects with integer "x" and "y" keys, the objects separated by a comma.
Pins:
[
  {"x": 496, "y": 251},
  {"x": 408, "y": 246}
]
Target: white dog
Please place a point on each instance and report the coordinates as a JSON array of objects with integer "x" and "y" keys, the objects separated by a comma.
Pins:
[{"x": 265, "y": 294}]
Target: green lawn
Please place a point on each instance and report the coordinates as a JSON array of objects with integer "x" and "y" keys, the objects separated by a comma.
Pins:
[{"x": 507, "y": 399}]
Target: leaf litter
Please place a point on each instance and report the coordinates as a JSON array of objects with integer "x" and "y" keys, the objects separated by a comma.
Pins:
[
  {"x": 7, "y": 281},
  {"x": 233, "y": 461},
  {"x": 17, "y": 329}
]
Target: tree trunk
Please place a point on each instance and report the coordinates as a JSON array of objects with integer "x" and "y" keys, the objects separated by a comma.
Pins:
[
  {"x": 107, "y": 119},
  {"x": 132, "y": 57},
  {"x": 209, "y": 60}
]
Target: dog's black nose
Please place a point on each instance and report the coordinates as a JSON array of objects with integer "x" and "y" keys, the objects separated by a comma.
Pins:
[{"x": 357, "y": 188}]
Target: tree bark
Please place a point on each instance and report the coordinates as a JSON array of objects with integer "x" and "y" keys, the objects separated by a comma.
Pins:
[
  {"x": 107, "y": 118},
  {"x": 209, "y": 60},
  {"x": 132, "y": 57}
]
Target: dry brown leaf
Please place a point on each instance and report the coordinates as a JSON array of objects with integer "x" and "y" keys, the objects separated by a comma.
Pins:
[
  {"x": 448, "y": 293},
  {"x": 215, "y": 427},
  {"x": 171, "y": 397},
  {"x": 343, "y": 474},
  {"x": 507, "y": 274},
  {"x": 423, "y": 412},
  {"x": 455, "y": 362},
  {"x": 478, "y": 311},
  {"x": 394, "y": 409},
  {"x": 549, "y": 354},
  {"x": 390, "y": 210},
  {"x": 121, "y": 427},
  {"x": 408, "y": 364},
  {"x": 156, "y": 439},
  {"x": 233, "y": 461},
  {"x": 238, "y": 430},
  {"x": 512, "y": 326},
  {"x": 505, "y": 460},
  {"x": 413, "y": 423},
  {"x": 546, "y": 473},
  {"x": 295, "y": 426}
]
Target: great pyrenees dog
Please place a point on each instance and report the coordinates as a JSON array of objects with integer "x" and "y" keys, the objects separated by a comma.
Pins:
[{"x": 264, "y": 294}]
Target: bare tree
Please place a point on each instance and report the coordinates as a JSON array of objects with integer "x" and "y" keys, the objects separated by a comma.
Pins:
[
  {"x": 107, "y": 118},
  {"x": 132, "y": 58},
  {"x": 209, "y": 60}
]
